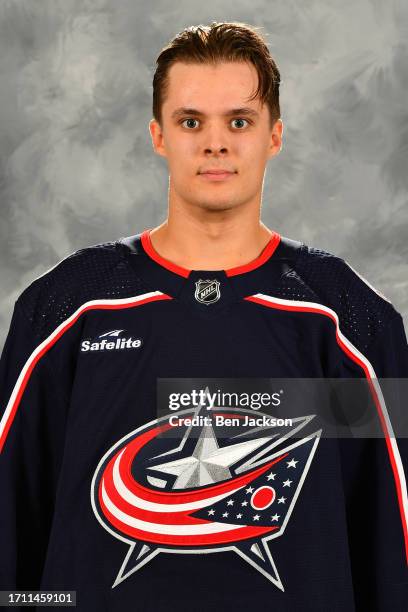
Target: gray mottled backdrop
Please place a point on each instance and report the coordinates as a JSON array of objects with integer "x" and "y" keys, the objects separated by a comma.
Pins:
[{"x": 77, "y": 166}]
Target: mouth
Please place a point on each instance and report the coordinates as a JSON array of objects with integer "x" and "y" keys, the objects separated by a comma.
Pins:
[{"x": 217, "y": 175}]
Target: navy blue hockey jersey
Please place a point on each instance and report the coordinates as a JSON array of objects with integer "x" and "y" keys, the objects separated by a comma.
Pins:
[{"x": 136, "y": 508}]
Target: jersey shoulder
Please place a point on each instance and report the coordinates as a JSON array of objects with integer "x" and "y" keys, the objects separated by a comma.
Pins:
[
  {"x": 99, "y": 271},
  {"x": 363, "y": 311}
]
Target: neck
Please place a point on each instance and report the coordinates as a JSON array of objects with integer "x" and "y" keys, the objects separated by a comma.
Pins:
[{"x": 210, "y": 245}]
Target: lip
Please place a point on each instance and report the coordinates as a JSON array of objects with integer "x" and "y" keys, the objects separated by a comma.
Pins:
[{"x": 217, "y": 175}]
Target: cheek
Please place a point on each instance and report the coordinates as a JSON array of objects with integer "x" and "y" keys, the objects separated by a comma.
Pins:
[
  {"x": 253, "y": 157},
  {"x": 257, "y": 156},
  {"x": 252, "y": 147},
  {"x": 183, "y": 149}
]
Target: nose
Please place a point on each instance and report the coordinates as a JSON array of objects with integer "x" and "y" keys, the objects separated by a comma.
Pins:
[
  {"x": 215, "y": 149},
  {"x": 215, "y": 140}
]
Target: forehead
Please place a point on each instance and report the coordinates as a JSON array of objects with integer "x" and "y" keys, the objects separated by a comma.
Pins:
[{"x": 227, "y": 84}]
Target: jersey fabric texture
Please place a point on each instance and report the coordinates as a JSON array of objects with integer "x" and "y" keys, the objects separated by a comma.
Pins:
[{"x": 88, "y": 341}]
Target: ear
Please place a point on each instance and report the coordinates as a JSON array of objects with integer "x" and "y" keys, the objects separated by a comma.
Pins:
[
  {"x": 156, "y": 134},
  {"x": 275, "y": 146}
]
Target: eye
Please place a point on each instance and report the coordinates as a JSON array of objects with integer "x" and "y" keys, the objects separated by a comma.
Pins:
[
  {"x": 189, "y": 120},
  {"x": 240, "y": 119}
]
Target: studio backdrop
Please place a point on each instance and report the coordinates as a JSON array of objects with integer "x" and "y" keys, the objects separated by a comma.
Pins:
[{"x": 77, "y": 164}]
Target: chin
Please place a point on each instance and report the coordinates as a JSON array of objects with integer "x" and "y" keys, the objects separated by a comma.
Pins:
[{"x": 220, "y": 205}]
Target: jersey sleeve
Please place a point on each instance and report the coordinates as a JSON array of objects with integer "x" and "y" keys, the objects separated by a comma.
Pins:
[
  {"x": 374, "y": 472},
  {"x": 32, "y": 411}
]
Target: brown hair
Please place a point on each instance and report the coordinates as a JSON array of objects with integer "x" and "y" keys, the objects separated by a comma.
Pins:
[{"x": 219, "y": 42}]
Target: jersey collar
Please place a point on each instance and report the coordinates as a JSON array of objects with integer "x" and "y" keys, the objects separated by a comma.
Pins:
[
  {"x": 240, "y": 281},
  {"x": 267, "y": 252}
]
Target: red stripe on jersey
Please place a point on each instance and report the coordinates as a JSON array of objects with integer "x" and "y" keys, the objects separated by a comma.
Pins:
[
  {"x": 356, "y": 359},
  {"x": 49, "y": 343}
]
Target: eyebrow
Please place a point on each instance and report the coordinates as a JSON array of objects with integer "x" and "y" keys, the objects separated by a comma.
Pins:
[{"x": 179, "y": 112}]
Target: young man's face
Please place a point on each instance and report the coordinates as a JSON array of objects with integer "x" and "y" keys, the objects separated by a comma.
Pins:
[{"x": 202, "y": 132}]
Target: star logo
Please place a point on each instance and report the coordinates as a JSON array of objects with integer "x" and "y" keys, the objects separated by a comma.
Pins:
[{"x": 166, "y": 488}]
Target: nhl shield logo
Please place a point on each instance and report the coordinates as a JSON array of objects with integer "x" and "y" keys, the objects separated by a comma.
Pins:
[{"x": 207, "y": 291}]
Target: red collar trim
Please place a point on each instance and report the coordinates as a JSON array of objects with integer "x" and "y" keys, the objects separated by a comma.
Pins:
[{"x": 261, "y": 259}]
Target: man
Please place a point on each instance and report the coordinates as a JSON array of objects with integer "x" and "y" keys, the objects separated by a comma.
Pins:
[{"x": 103, "y": 492}]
